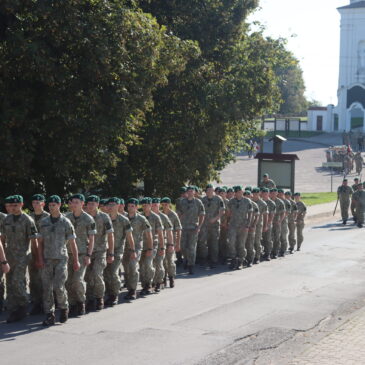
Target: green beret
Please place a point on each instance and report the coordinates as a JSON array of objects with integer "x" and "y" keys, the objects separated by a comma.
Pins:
[
  {"x": 78, "y": 196},
  {"x": 156, "y": 200},
  {"x": 191, "y": 187},
  {"x": 17, "y": 199},
  {"x": 247, "y": 192},
  {"x": 225, "y": 187},
  {"x": 121, "y": 200},
  {"x": 103, "y": 201},
  {"x": 183, "y": 189},
  {"x": 166, "y": 200},
  {"x": 273, "y": 190},
  {"x": 114, "y": 200},
  {"x": 230, "y": 190},
  {"x": 237, "y": 188},
  {"x": 38, "y": 197},
  {"x": 356, "y": 179},
  {"x": 209, "y": 186},
  {"x": 93, "y": 199},
  {"x": 54, "y": 199},
  {"x": 133, "y": 201},
  {"x": 265, "y": 190},
  {"x": 280, "y": 191},
  {"x": 288, "y": 192},
  {"x": 146, "y": 200},
  {"x": 249, "y": 188},
  {"x": 345, "y": 180},
  {"x": 196, "y": 188},
  {"x": 223, "y": 190},
  {"x": 296, "y": 194},
  {"x": 8, "y": 199},
  {"x": 255, "y": 190},
  {"x": 266, "y": 175}
]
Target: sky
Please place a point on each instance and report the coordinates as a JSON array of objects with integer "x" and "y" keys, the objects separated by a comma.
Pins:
[{"x": 312, "y": 28}]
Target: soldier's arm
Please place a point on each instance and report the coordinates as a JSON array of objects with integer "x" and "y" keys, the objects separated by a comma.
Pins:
[
  {"x": 110, "y": 257},
  {"x": 130, "y": 240},
  {"x": 201, "y": 221},
  {"x": 4, "y": 264},
  {"x": 178, "y": 239},
  {"x": 75, "y": 254},
  {"x": 149, "y": 238}
]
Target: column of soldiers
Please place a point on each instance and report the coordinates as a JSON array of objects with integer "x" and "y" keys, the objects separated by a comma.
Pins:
[{"x": 75, "y": 259}]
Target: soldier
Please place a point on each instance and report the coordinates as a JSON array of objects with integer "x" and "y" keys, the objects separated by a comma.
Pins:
[
  {"x": 347, "y": 163},
  {"x": 224, "y": 227},
  {"x": 302, "y": 211},
  {"x": 267, "y": 183},
  {"x": 183, "y": 195},
  {"x": 170, "y": 267},
  {"x": 191, "y": 213},
  {"x": 121, "y": 207},
  {"x": 2, "y": 274},
  {"x": 122, "y": 232},
  {"x": 168, "y": 245},
  {"x": 103, "y": 253},
  {"x": 344, "y": 193},
  {"x": 149, "y": 265},
  {"x": 279, "y": 216},
  {"x": 85, "y": 229},
  {"x": 18, "y": 231},
  {"x": 141, "y": 229},
  {"x": 292, "y": 217},
  {"x": 352, "y": 206},
  {"x": 284, "y": 223},
  {"x": 35, "y": 277},
  {"x": 250, "y": 240},
  {"x": 208, "y": 241},
  {"x": 239, "y": 218},
  {"x": 103, "y": 205},
  {"x": 359, "y": 200},
  {"x": 55, "y": 233},
  {"x": 262, "y": 223},
  {"x": 230, "y": 193},
  {"x": 267, "y": 236},
  {"x": 358, "y": 162}
]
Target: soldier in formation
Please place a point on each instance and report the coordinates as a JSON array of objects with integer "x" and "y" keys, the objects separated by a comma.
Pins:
[{"x": 344, "y": 193}]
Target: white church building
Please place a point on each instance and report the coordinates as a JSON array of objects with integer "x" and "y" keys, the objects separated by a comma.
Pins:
[{"x": 349, "y": 114}]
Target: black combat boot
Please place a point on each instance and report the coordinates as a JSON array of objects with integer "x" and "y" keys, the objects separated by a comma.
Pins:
[
  {"x": 239, "y": 265},
  {"x": 131, "y": 295},
  {"x": 172, "y": 281},
  {"x": 63, "y": 315},
  {"x": 191, "y": 269},
  {"x": 256, "y": 261},
  {"x": 50, "y": 320},
  {"x": 145, "y": 290},
  {"x": 281, "y": 254},
  {"x": 17, "y": 315},
  {"x": 36, "y": 309},
  {"x": 73, "y": 311},
  {"x": 99, "y": 304},
  {"x": 233, "y": 264},
  {"x": 165, "y": 281},
  {"x": 344, "y": 221},
  {"x": 81, "y": 308},
  {"x": 157, "y": 288},
  {"x": 291, "y": 251},
  {"x": 112, "y": 300},
  {"x": 90, "y": 305}
]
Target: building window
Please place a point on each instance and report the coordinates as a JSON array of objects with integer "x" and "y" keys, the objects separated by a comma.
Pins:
[{"x": 319, "y": 123}]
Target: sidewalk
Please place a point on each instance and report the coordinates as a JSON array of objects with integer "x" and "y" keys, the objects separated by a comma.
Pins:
[
  {"x": 322, "y": 211},
  {"x": 344, "y": 345}
]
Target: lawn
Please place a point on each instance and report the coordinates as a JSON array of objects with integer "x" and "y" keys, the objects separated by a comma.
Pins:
[{"x": 318, "y": 198}]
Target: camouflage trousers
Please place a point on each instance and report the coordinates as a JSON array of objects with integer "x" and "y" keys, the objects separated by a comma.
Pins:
[
  {"x": 2, "y": 289},
  {"x": 360, "y": 214},
  {"x": 169, "y": 263},
  {"x": 276, "y": 234},
  {"x": 300, "y": 238},
  {"x": 75, "y": 284},
  {"x": 223, "y": 237},
  {"x": 236, "y": 243},
  {"x": 345, "y": 204},
  {"x": 257, "y": 241},
  {"x": 146, "y": 268},
  {"x": 159, "y": 268},
  {"x": 250, "y": 246},
  {"x": 16, "y": 282},
  {"x": 54, "y": 276},
  {"x": 35, "y": 281},
  {"x": 284, "y": 236},
  {"x": 189, "y": 239},
  {"x": 292, "y": 241},
  {"x": 131, "y": 273},
  {"x": 95, "y": 286},
  {"x": 208, "y": 242},
  {"x": 267, "y": 241},
  {"x": 112, "y": 278},
  {"x": 353, "y": 209}
]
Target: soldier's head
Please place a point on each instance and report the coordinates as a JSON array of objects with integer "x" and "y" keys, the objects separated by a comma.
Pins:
[
  {"x": 288, "y": 194},
  {"x": 38, "y": 202},
  {"x": 77, "y": 202},
  {"x": 265, "y": 193},
  {"x": 230, "y": 193},
  {"x": 255, "y": 193},
  {"x": 17, "y": 203},
  {"x": 113, "y": 205},
  {"x": 223, "y": 192},
  {"x": 183, "y": 193},
  {"x": 297, "y": 197},
  {"x": 146, "y": 203},
  {"x": 209, "y": 190},
  {"x": 166, "y": 204},
  {"x": 265, "y": 177},
  {"x": 273, "y": 193},
  {"x": 190, "y": 191},
  {"x": 238, "y": 191},
  {"x": 247, "y": 194},
  {"x": 344, "y": 182},
  {"x": 121, "y": 207},
  {"x": 196, "y": 191},
  {"x": 92, "y": 203},
  {"x": 9, "y": 204},
  {"x": 156, "y": 205},
  {"x": 132, "y": 206},
  {"x": 281, "y": 194},
  {"x": 356, "y": 180},
  {"x": 54, "y": 205}
]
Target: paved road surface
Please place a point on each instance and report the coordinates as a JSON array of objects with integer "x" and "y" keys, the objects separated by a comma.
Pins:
[{"x": 214, "y": 317}]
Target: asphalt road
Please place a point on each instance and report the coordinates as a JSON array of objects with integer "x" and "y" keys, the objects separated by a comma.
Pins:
[{"x": 214, "y": 317}]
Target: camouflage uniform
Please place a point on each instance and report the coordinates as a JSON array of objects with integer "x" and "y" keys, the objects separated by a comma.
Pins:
[
  {"x": 95, "y": 286},
  {"x": 263, "y": 210},
  {"x": 302, "y": 210},
  {"x": 284, "y": 228},
  {"x": 223, "y": 237},
  {"x": 17, "y": 232},
  {"x": 353, "y": 205},
  {"x": 267, "y": 241},
  {"x": 55, "y": 233},
  {"x": 149, "y": 265},
  {"x": 35, "y": 275},
  {"x": 84, "y": 227},
  {"x": 359, "y": 199},
  {"x": 169, "y": 262},
  {"x": 239, "y": 210},
  {"x": 160, "y": 260},
  {"x": 2, "y": 275},
  {"x": 276, "y": 226},
  {"x": 121, "y": 226},
  {"x": 208, "y": 246},
  {"x": 139, "y": 225},
  {"x": 250, "y": 240},
  {"x": 344, "y": 194},
  {"x": 358, "y": 162},
  {"x": 190, "y": 211},
  {"x": 291, "y": 224},
  {"x": 269, "y": 184}
]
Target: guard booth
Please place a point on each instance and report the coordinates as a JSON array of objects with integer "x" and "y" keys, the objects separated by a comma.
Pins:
[{"x": 280, "y": 166}]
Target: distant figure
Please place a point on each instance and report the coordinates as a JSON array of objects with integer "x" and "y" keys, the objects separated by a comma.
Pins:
[
  {"x": 360, "y": 143},
  {"x": 358, "y": 162},
  {"x": 266, "y": 182},
  {"x": 344, "y": 193},
  {"x": 250, "y": 148}
]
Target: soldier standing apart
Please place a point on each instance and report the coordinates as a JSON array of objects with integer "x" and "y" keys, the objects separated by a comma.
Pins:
[
  {"x": 292, "y": 217},
  {"x": 208, "y": 243},
  {"x": 35, "y": 277},
  {"x": 239, "y": 218},
  {"x": 358, "y": 162},
  {"x": 359, "y": 200},
  {"x": 261, "y": 225},
  {"x": 122, "y": 231},
  {"x": 284, "y": 224},
  {"x": 250, "y": 239},
  {"x": 192, "y": 213},
  {"x": 302, "y": 211},
  {"x": 2, "y": 273},
  {"x": 18, "y": 231},
  {"x": 141, "y": 229},
  {"x": 103, "y": 253},
  {"x": 267, "y": 183},
  {"x": 168, "y": 245},
  {"x": 56, "y": 232},
  {"x": 267, "y": 236},
  {"x": 85, "y": 230},
  {"x": 277, "y": 221},
  {"x": 169, "y": 263},
  {"x": 353, "y": 206},
  {"x": 344, "y": 193}
]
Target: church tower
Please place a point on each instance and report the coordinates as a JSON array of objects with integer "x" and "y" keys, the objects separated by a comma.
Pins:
[{"x": 350, "y": 111}]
